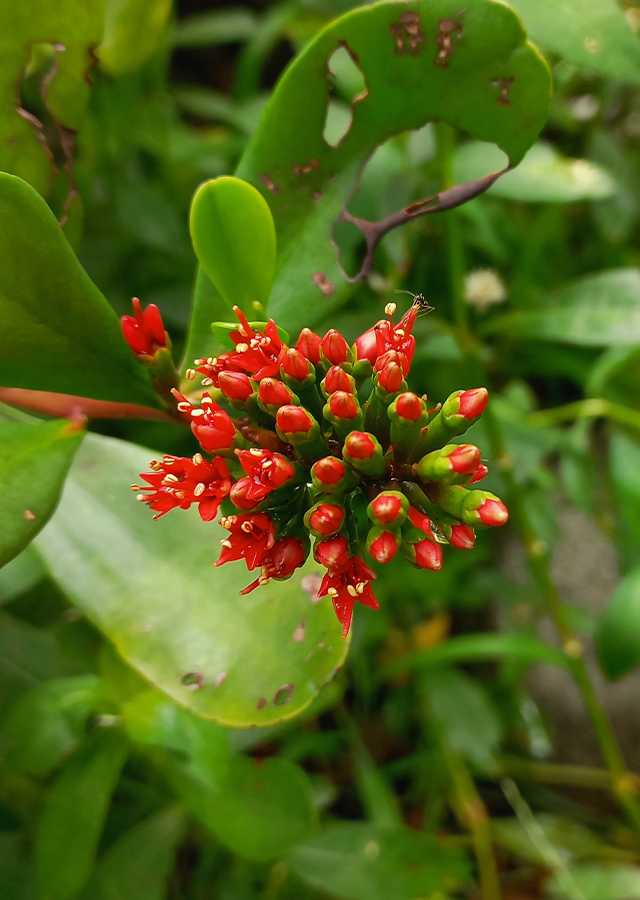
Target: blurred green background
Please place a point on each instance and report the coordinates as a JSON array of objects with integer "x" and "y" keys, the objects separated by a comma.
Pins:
[{"x": 443, "y": 761}]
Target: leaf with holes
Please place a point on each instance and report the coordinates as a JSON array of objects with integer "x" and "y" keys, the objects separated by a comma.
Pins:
[
  {"x": 72, "y": 29},
  {"x": 35, "y": 460},
  {"x": 57, "y": 331},
  {"x": 235, "y": 241},
  {"x": 151, "y": 588}
]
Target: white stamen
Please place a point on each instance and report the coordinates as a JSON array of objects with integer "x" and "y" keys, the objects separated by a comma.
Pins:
[
  {"x": 242, "y": 348},
  {"x": 351, "y": 590},
  {"x": 198, "y": 489},
  {"x": 390, "y": 309}
]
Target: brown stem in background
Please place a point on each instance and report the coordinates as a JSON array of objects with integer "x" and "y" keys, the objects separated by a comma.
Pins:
[
  {"x": 71, "y": 406},
  {"x": 448, "y": 199}
]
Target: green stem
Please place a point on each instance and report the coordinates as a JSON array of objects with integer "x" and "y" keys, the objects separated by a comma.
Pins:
[
  {"x": 557, "y": 773},
  {"x": 591, "y": 408}
]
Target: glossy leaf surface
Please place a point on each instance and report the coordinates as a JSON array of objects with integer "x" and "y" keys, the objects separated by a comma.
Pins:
[
  {"x": 543, "y": 176},
  {"x": 74, "y": 25},
  {"x": 235, "y": 241},
  {"x": 35, "y": 460},
  {"x": 150, "y": 587},
  {"x": 57, "y": 331},
  {"x": 307, "y": 181},
  {"x": 596, "y": 311}
]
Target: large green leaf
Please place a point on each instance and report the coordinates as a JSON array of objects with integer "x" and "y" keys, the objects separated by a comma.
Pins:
[
  {"x": 34, "y": 463},
  {"x": 57, "y": 331},
  {"x": 597, "y": 311},
  {"x": 132, "y": 31},
  {"x": 151, "y": 588},
  {"x": 591, "y": 33},
  {"x": 619, "y": 629},
  {"x": 543, "y": 176},
  {"x": 73, "y": 815},
  {"x": 596, "y": 881},
  {"x": 74, "y": 25},
  {"x": 307, "y": 182}
]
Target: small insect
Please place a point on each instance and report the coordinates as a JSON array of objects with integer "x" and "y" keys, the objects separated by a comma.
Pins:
[{"x": 418, "y": 302}]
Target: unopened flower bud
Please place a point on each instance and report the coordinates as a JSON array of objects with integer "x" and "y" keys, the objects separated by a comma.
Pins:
[
  {"x": 273, "y": 394},
  {"x": 324, "y": 518},
  {"x": 309, "y": 345},
  {"x": 236, "y": 386},
  {"x": 362, "y": 450},
  {"x": 239, "y": 495},
  {"x": 458, "y": 412},
  {"x": 428, "y": 555},
  {"x": 332, "y": 552},
  {"x": 493, "y": 512},
  {"x": 472, "y": 507},
  {"x": 388, "y": 509},
  {"x": 409, "y": 406},
  {"x": 337, "y": 379},
  {"x": 481, "y": 472},
  {"x": 297, "y": 370},
  {"x": 343, "y": 411},
  {"x": 452, "y": 465},
  {"x": 408, "y": 416},
  {"x": 295, "y": 424},
  {"x": 367, "y": 344},
  {"x": 383, "y": 545},
  {"x": 331, "y": 475},
  {"x": 144, "y": 331},
  {"x": 333, "y": 348},
  {"x": 460, "y": 536}
]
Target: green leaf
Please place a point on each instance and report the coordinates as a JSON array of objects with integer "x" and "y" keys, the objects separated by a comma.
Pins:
[
  {"x": 590, "y": 33},
  {"x": 359, "y": 861},
  {"x": 57, "y": 331},
  {"x": 625, "y": 474},
  {"x": 543, "y": 176},
  {"x": 77, "y": 26},
  {"x": 208, "y": 306},
  {"x": 150, "y": 587},
  {"x": 468, "y": 648},
  {"x": 597, "y": 311},
  {"x": 307, "y": 182},
  {"x": 132, "y": 31},
  {"x": 463, "y": 709},
  {"x": 136, "y": 866},
  {"x": 596, "y": 881},
  {"x": 34, "y": 463},
  {"x": 47, "y": 724},
  {"x": 265, "y": 806},
  {"x": 235, "y": 241},
  {"x": 73, "y": 815},
  {"x": 618, "y": 635}
]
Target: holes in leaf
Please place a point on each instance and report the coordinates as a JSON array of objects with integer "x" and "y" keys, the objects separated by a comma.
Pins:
[{"x": 347, "y": 86}]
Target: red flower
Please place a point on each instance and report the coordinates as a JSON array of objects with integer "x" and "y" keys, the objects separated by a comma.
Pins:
[
  {"x": 481, "y": 472},
  {"x": 346, "y": 585},
  {"x": 419, "y": 520},
  {"x": 260, "y": 353},
  {"x": 286, "y": 555},
  {"x": 333, "y": 552},
  {"x": 144, "y": 331},
  {"x": 385, "y": 336},
  {"x": 250, "y": 537},
  {"x": 212, "y": 426},
  {"x": 179, "y": 481},
  {"x": 266, "y": 472}
]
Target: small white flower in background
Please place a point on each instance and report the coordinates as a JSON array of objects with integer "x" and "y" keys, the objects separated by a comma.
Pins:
[{"x": 484, "y": 288}]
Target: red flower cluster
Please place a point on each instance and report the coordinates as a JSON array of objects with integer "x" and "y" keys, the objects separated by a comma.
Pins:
[{"x": 301, "y": 451}]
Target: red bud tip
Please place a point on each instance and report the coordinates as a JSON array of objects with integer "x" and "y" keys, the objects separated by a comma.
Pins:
[
  {"x": 367, "y": 344},
  {"x": 333, "y": 552},
  {"x": 391, "y": 377},
  {"x": 235, "y": 385},
  {"x": 419, "y": 520},
  {"x": 239, "y": 494},
  {"x": 494, "y": 513},
  {"x": 309, "y": 345},
  {"x": 343, "y": 405},
  {"x": 462, "y": 537},
  {"x": 465, "y": 459},
  {"x": 429, "y": 555},
  {"x": 334, "y": 347},
  {"x": 329, "y": 470},
  {"x": 144, "y": 331},
  {"x": 387, "y": 508},
  {"x": 360, "y": 445},
  {"x": 296, "y": 365},
  {"x": 326, "y": 518},
  {"x": 274, "y": 393},
  {"x": 294, "y": 420},
  {"x": 409, "y": 406},
  {"x": 337, "y": 379},
  {"x": 481, "y": 472},
  {"x": 384, "y": 548},
  {"x": 473, "y": 403}
]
